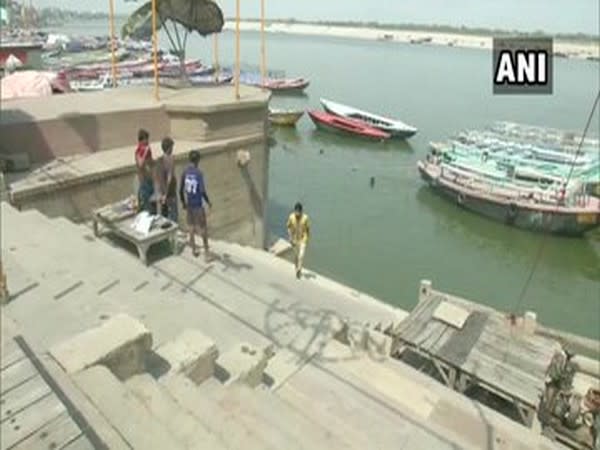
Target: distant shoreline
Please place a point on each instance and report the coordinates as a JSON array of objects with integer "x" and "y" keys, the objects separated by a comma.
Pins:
[{"x": 577, "y": 46}]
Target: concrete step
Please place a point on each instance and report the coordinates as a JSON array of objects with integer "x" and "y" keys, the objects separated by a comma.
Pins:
[
  {"x": 294, "y": 431},
  {"x": 243, "y": 266},
  {"x": 180, "y": 423},
  {"x": 352, "y": 410},
  {"x": 126, "y": 413},
  {"x": 285, "y": 268},
  {"x": 221, "y": 420}
]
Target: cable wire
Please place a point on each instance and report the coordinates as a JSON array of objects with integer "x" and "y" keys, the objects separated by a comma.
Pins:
[{"x": 543, "y": 239}]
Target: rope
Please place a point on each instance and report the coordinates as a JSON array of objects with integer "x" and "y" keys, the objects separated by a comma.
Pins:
[{"x": 544, "y": 237}]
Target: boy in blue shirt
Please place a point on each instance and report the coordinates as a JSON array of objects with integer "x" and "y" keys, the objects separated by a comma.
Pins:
[{"x": 192, "y": 193}]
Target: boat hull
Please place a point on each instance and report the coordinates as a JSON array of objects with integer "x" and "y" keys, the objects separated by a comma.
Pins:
[
  {"x": 287, "y": 86},
  {"x": 553, "y": 222},
  {"x": 285, "y": 118},
  {"x": 394, "y": 129},
  {"x": 325, "y": 126}
]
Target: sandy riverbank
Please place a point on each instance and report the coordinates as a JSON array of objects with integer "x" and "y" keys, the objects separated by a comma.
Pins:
[{"x": 575, "y": 50}]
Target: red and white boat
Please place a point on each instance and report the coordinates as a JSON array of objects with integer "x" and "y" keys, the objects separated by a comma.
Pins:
[{"x": 333, "y": 123}]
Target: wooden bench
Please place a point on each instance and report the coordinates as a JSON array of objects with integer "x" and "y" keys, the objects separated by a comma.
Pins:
[{"x": 119, "y": 217}]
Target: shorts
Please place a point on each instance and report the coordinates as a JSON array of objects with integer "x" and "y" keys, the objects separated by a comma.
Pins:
[{"x": 196, "y": 217}]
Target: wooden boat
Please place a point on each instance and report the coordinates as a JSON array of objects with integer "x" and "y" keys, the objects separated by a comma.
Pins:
[
  {"x": 286, "y": 84},
  {"x": 335, "y": 123},
  {"x": 284, "y": 117},
  {"x": 516, "y": 205},
  {"x": 394, "y": 127}
]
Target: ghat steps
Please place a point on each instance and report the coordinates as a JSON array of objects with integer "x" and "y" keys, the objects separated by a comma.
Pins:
[{"x": 315, "y": 392}]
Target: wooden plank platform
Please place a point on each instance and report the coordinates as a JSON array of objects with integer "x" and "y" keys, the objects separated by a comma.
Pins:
[
  {"x": 32, "y": 415},
  {"x": 487, "y": 350}
]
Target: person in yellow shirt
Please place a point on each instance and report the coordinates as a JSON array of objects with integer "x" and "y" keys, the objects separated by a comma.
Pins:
[{"x": 298, "y": 227}]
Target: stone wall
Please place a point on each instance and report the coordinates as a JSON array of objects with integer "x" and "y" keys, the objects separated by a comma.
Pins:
[{"x": 74, "y": 186}]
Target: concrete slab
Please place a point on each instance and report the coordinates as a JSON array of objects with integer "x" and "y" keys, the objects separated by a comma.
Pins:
[
  {"x": 226, "y": 426},
  {"x": 246, "y": 364},
  {"x": 124, "y": 410},
  {"x": 192, "y": 354},
  {"x": 121, "y": 344},
  {"x": 180, "y": 423}
]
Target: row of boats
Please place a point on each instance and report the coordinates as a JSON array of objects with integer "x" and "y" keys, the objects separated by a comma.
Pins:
[
  {"x": 531, "y": 177},
  {"x": 340, "y": 118}
]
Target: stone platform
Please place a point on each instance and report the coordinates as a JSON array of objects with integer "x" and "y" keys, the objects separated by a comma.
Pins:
[
  {"x": 84, "y": 145},
  {"x": 267, "y": 365}
]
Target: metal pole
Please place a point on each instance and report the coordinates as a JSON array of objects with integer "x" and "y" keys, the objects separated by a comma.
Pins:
[
  {"x": 155, "y": 49},
  {"x": 263, "y": 56},
  {"x": 113, "y": 43},
  {"x": 237, "y": 49}
]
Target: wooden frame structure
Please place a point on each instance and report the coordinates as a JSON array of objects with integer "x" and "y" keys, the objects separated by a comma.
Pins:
[{"x": 485, "y": 350}]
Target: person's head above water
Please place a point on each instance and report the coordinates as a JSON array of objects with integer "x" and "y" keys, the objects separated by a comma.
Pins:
[
  {"x": 143, "y": 136},
  {"x": 167, "y": 145},
  {"x": 194, "y": 157},
  {"x": 298, "y": 209}
]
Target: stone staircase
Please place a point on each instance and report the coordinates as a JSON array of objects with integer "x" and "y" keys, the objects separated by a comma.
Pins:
[
  {"x": 235, "y": 353},
  {"x": 184, "y": 408}
]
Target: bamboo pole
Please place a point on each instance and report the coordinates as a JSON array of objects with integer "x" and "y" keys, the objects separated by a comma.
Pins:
[
  {"x": 113, "y": 55},
  {"x": 263, "y": 56},
  {"x": 216, "y": 55},
  {"x": 3, "y": 283},
  {"x": 155, "y": 49},
  {"x": 237, "y": 49}
]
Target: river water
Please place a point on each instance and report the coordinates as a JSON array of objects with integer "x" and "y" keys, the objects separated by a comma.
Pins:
[{"x": 384, "y": 240}]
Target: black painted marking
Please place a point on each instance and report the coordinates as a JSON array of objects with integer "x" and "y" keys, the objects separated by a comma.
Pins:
[
  {"x": 68, "y": 290},
  {"x": 108, "y": 287},
  {"x": 141, "y": 286},
  {"x": 75, "y": 414},
  {"x": 25, "y": 290}
]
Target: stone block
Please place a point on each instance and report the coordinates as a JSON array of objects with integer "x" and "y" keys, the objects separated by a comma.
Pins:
[
  {"x": 425, "y": 290},
  {"x": 120, "y": 344},
  {"x": 192, "y": 354},
  {"x": 246, "y": 364}
]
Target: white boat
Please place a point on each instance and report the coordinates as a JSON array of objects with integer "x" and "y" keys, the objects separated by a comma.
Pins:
[{"x": 392, "y": 126}]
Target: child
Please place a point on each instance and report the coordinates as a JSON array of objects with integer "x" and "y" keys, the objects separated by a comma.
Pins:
[
  {"x": 145, "y": 169},
  {"x": 192, "y": 193},
  {"x": 167, "y": 181}
]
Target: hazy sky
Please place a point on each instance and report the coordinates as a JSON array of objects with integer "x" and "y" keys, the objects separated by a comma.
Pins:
[{"x": 548, "y": 15}]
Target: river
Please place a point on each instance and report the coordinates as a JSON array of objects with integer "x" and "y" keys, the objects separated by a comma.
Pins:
[{"x": 384, "y": 240}]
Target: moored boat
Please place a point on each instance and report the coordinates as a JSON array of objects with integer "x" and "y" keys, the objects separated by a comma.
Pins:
[
  {"x": 394, "y": 127},
  {"x": 355, "y": 127},
  {"x": 284, "y": 117},
  {"x": 286, "y": 84},
  {"x": 570, "y": 212}
]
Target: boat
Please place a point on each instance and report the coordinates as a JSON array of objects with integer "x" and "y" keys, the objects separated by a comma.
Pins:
[
  {"x": 393, "y": 127},
  {"x": 330, "y": 122},
  {"x": 518, "y": 188},
  {"x": 286, "y": 84},
  {"x": 284, "y": 117},
  {"x": 527, "y": 209}
]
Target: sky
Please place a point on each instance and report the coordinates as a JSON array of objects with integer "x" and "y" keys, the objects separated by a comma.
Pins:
[{"x": 554, "y": 16}]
